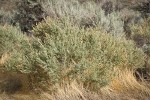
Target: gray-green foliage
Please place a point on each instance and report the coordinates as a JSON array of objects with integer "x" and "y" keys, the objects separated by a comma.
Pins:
[
  {"x": 88, "y": 14},
  {"x": 17, "y": 46},
  {"x": 89, "y": 56},
  {"x": 6, "y": 17},
  {"x": 9, "y": 38},
  {"x": 62, "y": 51},
  {"x": 146, "y": 49}
]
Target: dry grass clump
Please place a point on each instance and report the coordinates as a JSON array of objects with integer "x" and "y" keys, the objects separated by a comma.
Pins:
[
  {"x": 123, "y": 87},
  {"x": 126, "y": 82}
]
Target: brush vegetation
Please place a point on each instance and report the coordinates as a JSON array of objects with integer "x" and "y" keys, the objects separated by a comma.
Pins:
[
  {"x": 66, "y": 52},
  {"x": 75, "y": 50}
]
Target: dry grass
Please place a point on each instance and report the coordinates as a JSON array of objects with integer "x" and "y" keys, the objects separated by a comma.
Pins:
[
  {"x": 123, "y": 87},
  {"x": 127, "y": 84},
  {"x": 4, "y": 58}
]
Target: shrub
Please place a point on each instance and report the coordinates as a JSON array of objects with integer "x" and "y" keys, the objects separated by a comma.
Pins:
[
  {"x": 8, "y": 5},
  {"x": 60, "y": 51},
  {"x": 18, "y": 54},
  {"x": 69, "y": 52},
  {"x": 87, "y": 14},
  {"x": 141, "y": 32},
  {"x": 29, "y": 13},
  {"x": 6, "y": 17},
  {"x": 10, "y": 37},
  {"x": 7, "y": 11},
  {"x": 17, "y": 45}
]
